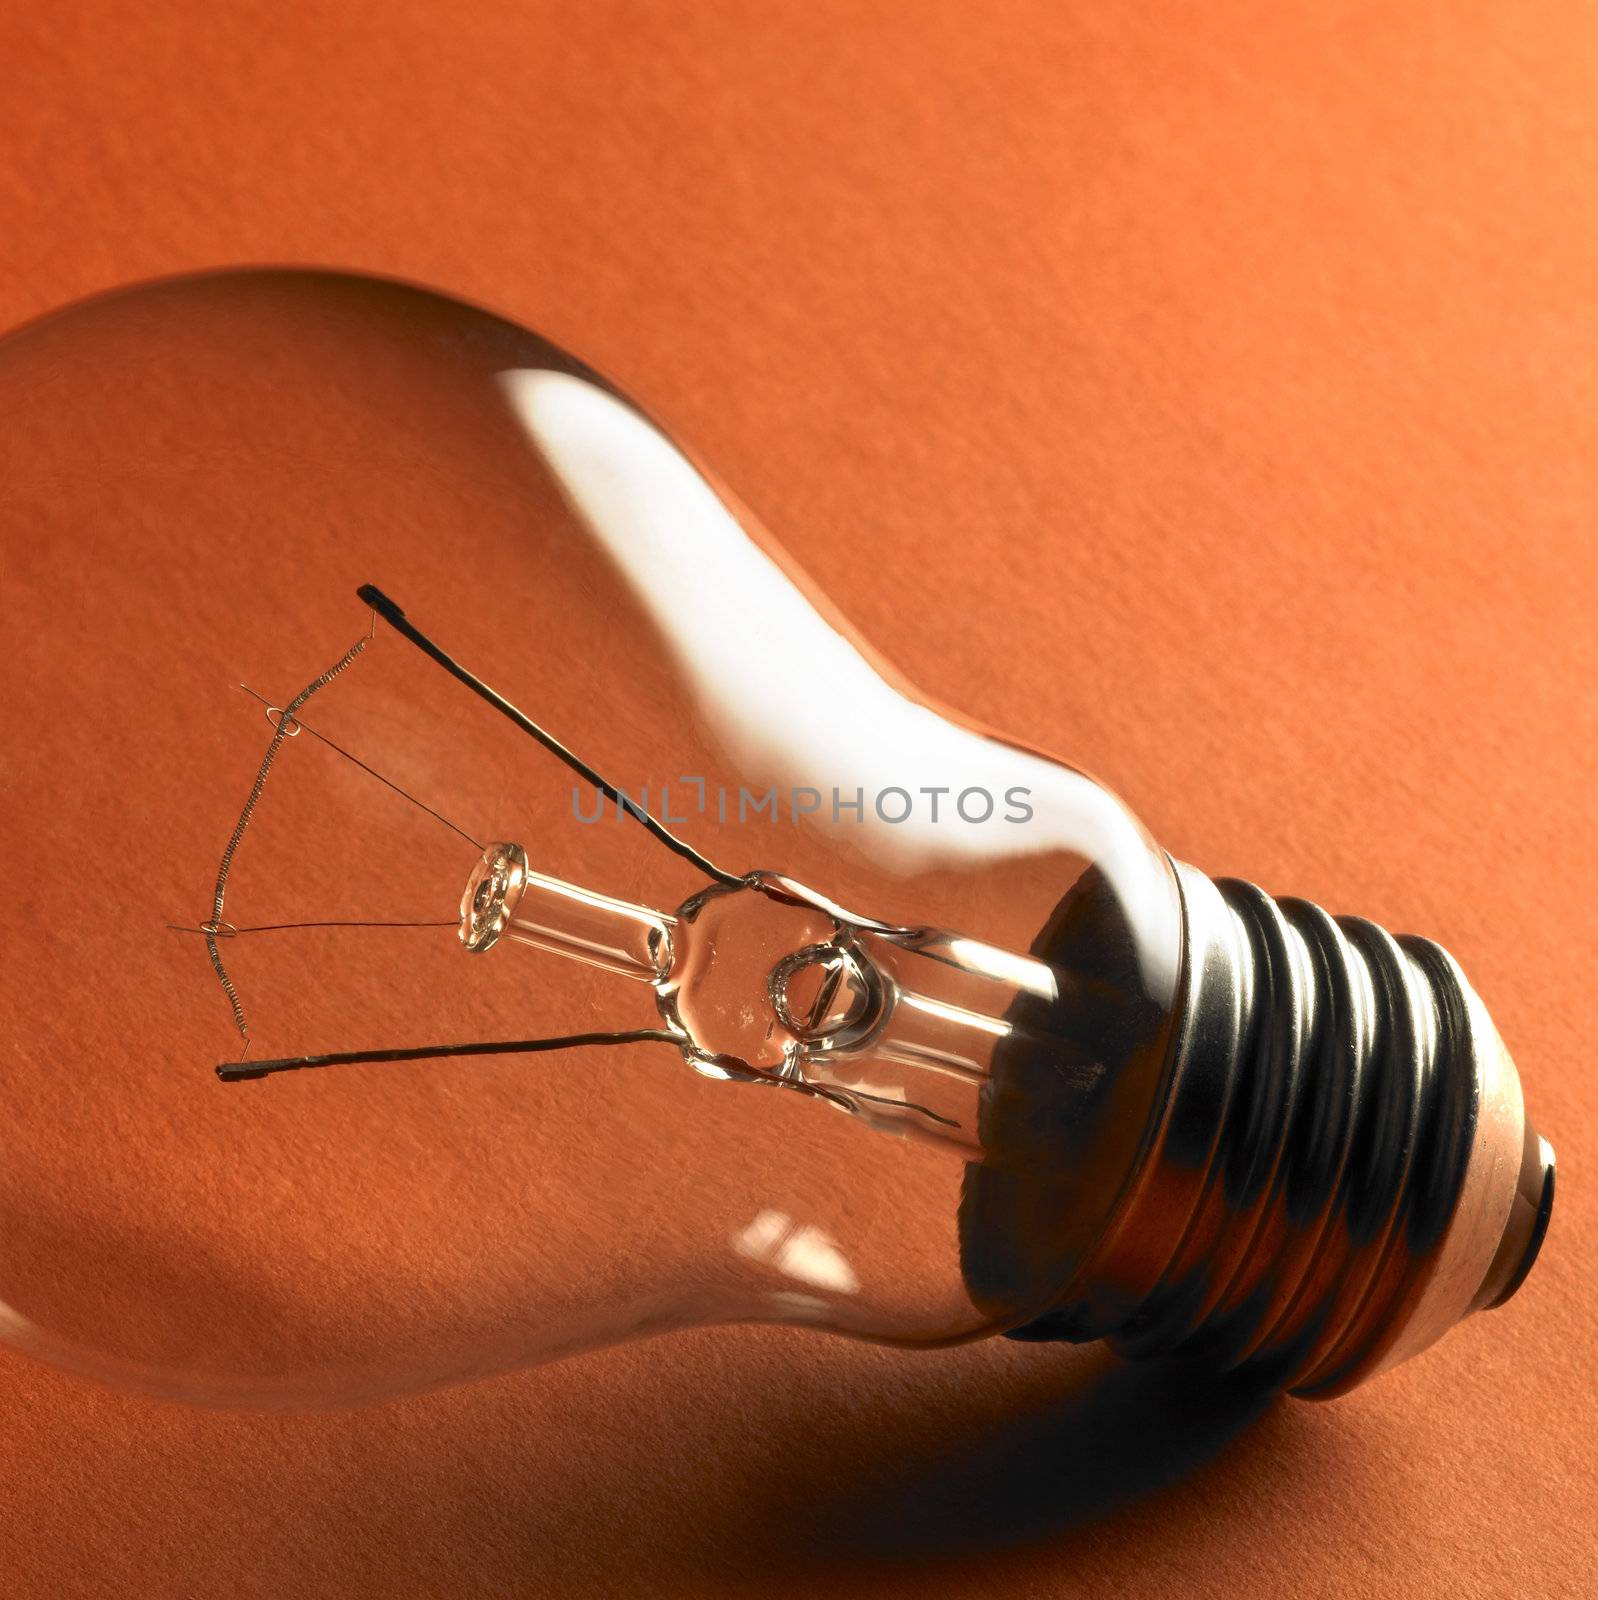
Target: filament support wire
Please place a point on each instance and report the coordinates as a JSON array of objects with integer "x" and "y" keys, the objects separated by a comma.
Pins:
[
  {"x": 286, "y": 724},
  {"x": 284, "y": 728}
]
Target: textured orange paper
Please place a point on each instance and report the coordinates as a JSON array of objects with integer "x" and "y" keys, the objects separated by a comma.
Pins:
[{"x": 1209, "y": 393}]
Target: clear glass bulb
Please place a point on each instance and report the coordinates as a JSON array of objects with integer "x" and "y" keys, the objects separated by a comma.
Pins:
[{"x": 866, "y": 960}]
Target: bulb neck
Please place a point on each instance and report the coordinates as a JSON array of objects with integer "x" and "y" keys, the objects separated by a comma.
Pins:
[{"x": 1334, "y": 1168}]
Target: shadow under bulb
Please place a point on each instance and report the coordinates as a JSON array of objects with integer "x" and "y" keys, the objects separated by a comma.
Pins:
[{"x": 775, "y": 993}]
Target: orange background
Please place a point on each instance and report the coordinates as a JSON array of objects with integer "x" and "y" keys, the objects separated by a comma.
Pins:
[{"x": 1227, "y": 373}]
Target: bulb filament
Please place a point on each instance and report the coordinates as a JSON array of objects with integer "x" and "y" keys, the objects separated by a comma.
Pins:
[{"x": 756, "y": 977}]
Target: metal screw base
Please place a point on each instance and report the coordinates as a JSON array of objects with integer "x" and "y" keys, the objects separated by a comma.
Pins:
[{"x": 1337, "y": 1166}]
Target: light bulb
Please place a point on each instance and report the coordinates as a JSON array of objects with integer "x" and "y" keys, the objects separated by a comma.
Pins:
[{"x": 867, "y": 1019}]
